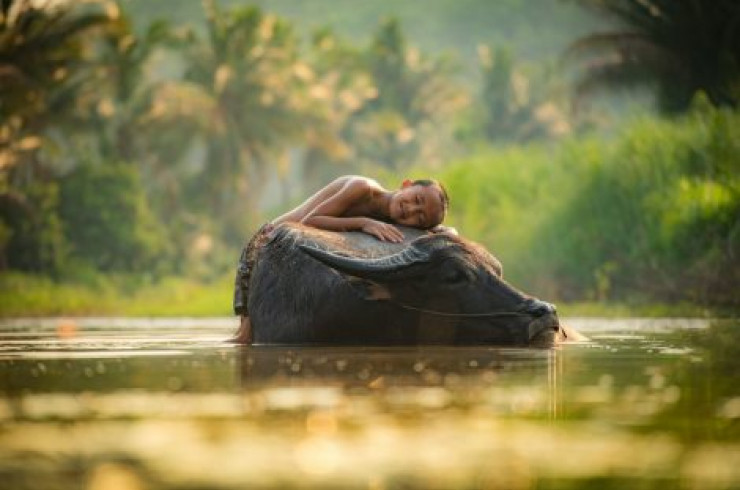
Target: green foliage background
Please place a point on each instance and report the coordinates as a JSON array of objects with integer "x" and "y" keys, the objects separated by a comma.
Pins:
[
  {"x": 653, "y": 212},
  {"x": 108, "y": 222},
  {"x": 145, "y": 150}
]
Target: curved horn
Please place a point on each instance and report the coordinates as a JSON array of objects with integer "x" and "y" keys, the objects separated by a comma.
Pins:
[{"x": 362, "y": 267}]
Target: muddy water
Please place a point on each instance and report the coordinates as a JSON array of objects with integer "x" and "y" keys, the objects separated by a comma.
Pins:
[{"x": 166, "y": 404}]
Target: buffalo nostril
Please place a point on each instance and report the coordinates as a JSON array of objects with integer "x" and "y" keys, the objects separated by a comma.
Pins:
[{"x": 536, "y": 307}]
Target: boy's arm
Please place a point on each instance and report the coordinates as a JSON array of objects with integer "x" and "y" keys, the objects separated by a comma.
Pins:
[
  {"x": 335, "y": 205},
  {"x": 327, "y": 215},
  {"x": 382, "y": 231}
]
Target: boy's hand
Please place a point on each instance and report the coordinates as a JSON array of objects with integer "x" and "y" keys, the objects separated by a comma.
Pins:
[{"x": 382, "y": 231}]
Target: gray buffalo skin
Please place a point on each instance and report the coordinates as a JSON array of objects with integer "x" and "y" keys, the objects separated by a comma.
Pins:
[{"x": 311, "y": 286}]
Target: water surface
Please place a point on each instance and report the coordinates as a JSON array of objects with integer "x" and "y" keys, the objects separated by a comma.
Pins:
[{"x": 167, "y": 404}]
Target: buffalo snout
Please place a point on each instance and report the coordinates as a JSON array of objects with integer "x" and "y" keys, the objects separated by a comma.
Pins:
[
  {"x": 545, "y": 325},
  {"x": 544, "y": 330}
]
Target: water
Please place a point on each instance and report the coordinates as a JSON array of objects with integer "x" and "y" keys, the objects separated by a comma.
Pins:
[{"x": 143, "y": 404}]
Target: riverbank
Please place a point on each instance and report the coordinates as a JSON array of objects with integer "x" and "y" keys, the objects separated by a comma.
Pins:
[{"x": 24, "y": 295}]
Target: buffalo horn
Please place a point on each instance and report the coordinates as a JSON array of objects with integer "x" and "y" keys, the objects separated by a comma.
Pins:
[{"x": 359, "y": 266}]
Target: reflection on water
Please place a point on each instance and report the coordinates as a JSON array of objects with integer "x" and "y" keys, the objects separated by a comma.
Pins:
[{"x": 169, "y": 405}]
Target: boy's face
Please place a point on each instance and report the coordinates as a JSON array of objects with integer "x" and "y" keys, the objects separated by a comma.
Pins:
[{"x": 418, "y": 206}]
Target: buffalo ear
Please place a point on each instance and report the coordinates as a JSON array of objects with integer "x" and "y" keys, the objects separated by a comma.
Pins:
[{"x": 370, "y": 290}]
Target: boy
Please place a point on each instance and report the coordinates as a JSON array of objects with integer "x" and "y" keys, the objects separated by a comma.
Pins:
[{"x": 349, "y": 203}]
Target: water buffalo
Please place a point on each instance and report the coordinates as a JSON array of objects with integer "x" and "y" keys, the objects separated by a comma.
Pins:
[{"x": 311, "y": 286}]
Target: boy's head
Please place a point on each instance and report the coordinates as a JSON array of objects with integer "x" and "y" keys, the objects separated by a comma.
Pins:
[{"x": 420, "y": 203}]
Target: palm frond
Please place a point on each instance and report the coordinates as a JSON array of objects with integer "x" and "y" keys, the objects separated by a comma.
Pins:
[
  {"x": 603, "y": 42},
  {"x": 696, "y": 42},
  {"x": 68, "y": 30},
  {"x": 5, "y": 6}
]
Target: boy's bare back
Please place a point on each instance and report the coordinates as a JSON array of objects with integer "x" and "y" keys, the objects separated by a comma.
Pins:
[
  {"x": 340, "y": 192},
  {"x": 348, "y": 203}
]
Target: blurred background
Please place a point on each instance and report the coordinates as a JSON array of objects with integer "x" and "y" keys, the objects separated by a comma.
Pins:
[{"x": 592, "y": 145}]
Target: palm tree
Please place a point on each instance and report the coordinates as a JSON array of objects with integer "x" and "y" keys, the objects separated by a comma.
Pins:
[
  {"x": 342, "y": 88},
  {"x": 250, "y": 71},
  {"x": 119, "y": 97},
  {"x": 42, "y": 67},
  {"x": 682, "y": 46},
  {"x": 408, "y": 120},
  {"x": 514, "y": 106}
]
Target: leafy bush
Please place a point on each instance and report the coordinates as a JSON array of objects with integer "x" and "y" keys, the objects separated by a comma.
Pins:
[
  {"x": 653, "y": 213},
  {"x": 31, "y": 237},
  {"x": 107, "y": 221}
]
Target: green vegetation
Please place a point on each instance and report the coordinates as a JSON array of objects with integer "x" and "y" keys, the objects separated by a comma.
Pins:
[
  {"x": 644, "y": 224},
  {"x": 114, "y": 295},
  {"x": 653, "y": 213},
  {"x": 108, "y": 224},
  {"x": 136, "y": 154}
]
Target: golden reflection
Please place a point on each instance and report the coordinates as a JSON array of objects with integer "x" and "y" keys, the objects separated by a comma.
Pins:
[
  {"x": 113, "y": 476},
  {"x": 318, "y": 455},
  {"x": 614, "y": 412},
  {"x": 321, "y": 423}
]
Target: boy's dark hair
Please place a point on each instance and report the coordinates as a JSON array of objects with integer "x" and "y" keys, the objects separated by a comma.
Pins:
[{"x": 429, "y": 182}]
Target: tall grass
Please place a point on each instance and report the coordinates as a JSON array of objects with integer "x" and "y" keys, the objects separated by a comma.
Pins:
[
  {"x": 651, "y": 213},
  {"x": 36, "y": 295}
]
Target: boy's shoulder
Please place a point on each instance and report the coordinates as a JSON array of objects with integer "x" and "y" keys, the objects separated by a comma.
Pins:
[
  {"x": 359, "y": 179},
  {"x": 359, "y": 182}
]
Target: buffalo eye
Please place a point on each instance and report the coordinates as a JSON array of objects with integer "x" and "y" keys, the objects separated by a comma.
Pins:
[{"x": 454, "y": 276}]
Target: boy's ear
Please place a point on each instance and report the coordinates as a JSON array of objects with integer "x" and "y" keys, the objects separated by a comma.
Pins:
[{"x": 406, "y": 183}]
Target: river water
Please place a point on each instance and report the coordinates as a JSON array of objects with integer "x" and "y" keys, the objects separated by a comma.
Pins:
[{"x": 167, "y": 404}]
